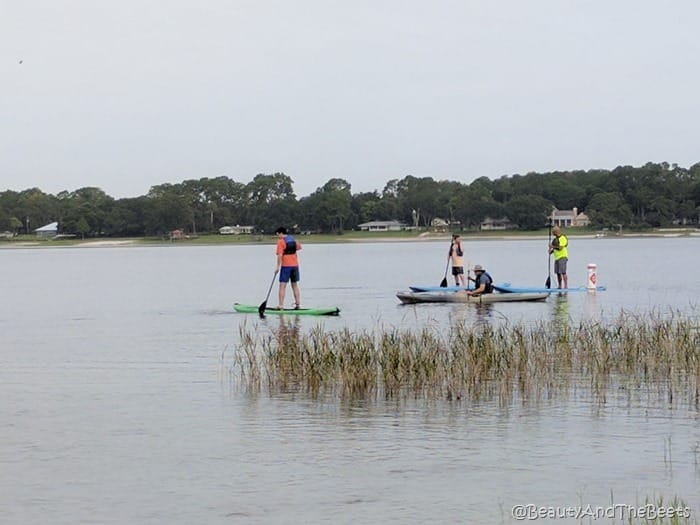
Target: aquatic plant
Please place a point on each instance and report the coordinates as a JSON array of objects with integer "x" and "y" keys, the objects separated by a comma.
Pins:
[{"x": 657, "y": 357}]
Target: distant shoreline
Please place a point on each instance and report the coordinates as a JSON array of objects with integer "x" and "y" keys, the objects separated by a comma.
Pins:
[{"x": 214, "y": 239}]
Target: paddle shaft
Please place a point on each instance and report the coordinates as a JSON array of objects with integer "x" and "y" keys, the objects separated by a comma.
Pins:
[
  {"x": 443, "y": 283},
  {"x": 263, "y": 305},
  {"x": 548, "y": 282}
]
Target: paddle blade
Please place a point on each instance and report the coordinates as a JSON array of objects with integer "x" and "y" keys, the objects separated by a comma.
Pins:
[
  {"x": 261, "y": 309},
  {"x": 443, "y": 283},
  {"x": 548, "y": 282}
]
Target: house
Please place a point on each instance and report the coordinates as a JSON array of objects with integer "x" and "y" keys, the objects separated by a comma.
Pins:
[
  {"x": 177, "y": 235},
  {"x": 496, "y": 224},
  {"x": 382, "y": 226},
  {"x": 49, "y": 230},
  {"x": 235, "y": 230},
  {"x": 439, "y": 225},
  {"x": 569, "y": 218}
]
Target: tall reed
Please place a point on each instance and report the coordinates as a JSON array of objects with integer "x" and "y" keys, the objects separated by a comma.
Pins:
[{"x": 651, "y": 356}]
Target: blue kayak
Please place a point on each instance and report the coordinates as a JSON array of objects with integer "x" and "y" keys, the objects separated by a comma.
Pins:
[
  {"x": 517, "y": 289},
  {"x": 446, "y": 288}
]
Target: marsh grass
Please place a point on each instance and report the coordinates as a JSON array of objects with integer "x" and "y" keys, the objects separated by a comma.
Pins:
[{"x": 633, "y": 356}]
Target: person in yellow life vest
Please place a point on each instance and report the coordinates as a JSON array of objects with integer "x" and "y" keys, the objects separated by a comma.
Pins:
[{"x": 561, "y": 256}]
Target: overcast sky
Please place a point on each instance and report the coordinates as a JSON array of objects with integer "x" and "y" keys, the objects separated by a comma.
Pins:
[{"x": 129, "y": 94}]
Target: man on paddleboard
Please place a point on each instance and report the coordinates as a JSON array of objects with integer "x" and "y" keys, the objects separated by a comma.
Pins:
[
  {"x": 561, "y": 256},
  {"x": 287, "y": 266}
]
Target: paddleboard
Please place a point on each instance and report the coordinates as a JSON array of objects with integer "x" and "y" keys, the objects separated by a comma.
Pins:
[
  {"x": 524, "y": 289},
  {"x": 253, "y": 309}
]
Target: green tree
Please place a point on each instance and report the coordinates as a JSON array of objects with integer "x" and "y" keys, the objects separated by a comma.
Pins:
[
  {"x": 529, "y": 212},
  {"x": 418, "y": 200},
  {"x": 272, "y": 202},
  {"x": 82, "y": 227},
  {"x": 15, "y": 225},
  {"x": 35, "y": 209},
  {"x": 609, "y": 210},
  {"x": 166, "y": 209},
  {"x": 330, "y": 207},
  {"x": 366, "y": 207},
  {"x": 127, "y": 217},
  {"x": 89, "y": 203}
]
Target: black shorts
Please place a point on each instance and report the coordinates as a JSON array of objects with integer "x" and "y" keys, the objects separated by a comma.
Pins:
[{"x": 458, "y": 270}]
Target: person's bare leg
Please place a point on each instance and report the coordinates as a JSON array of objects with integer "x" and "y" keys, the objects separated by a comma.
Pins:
[
  {"x": 297, "y": 294},
  {"x": 280, "y": 295},
  {"x": 566, "y": 280}
]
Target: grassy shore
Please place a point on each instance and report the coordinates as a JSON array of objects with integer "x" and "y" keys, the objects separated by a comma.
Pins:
[
  {"x": 653, "y": 357},
  {"x": 28, "y": 241}
]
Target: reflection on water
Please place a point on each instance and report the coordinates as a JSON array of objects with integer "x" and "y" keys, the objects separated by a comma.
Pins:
[
  {"x": 288, "y": 329},
  {"x": 592, "y": 310},
  {"x": 470, "y": 314},
  {"x": 560, "y": 309}
]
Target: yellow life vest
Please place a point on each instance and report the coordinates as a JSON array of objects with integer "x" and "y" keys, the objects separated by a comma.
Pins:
[{"x": 559, "y": 247}]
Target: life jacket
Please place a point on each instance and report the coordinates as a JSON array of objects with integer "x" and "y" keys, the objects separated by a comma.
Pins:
[
  {"x": 560, "y": 246},
  {"x": 290, "y": 247},
  {"x": 459, "y": 250},
  {"x": 488, "y": 288}
]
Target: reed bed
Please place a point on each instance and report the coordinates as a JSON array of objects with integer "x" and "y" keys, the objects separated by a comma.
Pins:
[{"x": 652, "y": 356}]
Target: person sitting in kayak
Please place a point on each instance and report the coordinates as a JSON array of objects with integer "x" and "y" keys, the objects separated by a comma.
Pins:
[
  {"x": 483, "y": 283},
  {"x": 287, "y": 266}
]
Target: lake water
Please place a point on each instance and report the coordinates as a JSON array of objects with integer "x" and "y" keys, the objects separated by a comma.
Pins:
[{"x": 117, "y": 404}]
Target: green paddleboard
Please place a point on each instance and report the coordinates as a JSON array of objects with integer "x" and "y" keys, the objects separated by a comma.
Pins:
[{"x": 253, "y": 309}]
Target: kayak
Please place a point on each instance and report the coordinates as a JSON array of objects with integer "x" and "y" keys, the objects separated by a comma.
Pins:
[
  {"x": 519, "y": 289},
  {"x": 446, "y": 288},
  {"x": 253, "y": 309},
  {"x": 453, "y": 297}
]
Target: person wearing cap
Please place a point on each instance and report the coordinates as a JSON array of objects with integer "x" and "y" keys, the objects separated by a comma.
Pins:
[
  {"x": 483, "y": 283},
  {"x": 561, "y": 256},
  {"x": 287, "y": 266}
]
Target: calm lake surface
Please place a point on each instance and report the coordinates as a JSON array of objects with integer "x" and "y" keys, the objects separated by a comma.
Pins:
[{"x": 117, "y": 402}]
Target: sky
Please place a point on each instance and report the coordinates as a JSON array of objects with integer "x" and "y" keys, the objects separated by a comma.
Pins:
[{"x": 131, "y": 94}]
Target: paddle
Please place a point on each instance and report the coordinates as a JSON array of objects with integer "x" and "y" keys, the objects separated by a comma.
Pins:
[
  {"x": 263, "y": 305},
  {"x": 443, "y": 283},
  {"x": 548, "y": 282}
]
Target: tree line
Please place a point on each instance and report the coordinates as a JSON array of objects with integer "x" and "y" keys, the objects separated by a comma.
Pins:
[{"x": 653, "y": 195}]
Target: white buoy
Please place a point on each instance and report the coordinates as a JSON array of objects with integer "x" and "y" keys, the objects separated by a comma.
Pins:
[{"x": 592, "y": 277}]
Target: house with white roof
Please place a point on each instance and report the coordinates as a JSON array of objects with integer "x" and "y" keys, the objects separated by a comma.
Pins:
[
  {"x": 382, "y": 226},
  {"x": 235, "y": 230},
  {"x": 49, "y": 230}
]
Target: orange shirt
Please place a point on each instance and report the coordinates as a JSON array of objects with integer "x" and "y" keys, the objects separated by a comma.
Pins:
[{"x": 287, "y": 259}]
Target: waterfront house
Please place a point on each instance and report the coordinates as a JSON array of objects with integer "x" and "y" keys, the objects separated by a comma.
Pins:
[
  {"x": 382, "y": 226},
  {"x": 569, "y": 218},
  {"x": 49, "y": 230}
]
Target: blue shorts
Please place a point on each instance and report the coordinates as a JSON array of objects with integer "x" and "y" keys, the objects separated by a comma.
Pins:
[{"x": 289, "y": 273}]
